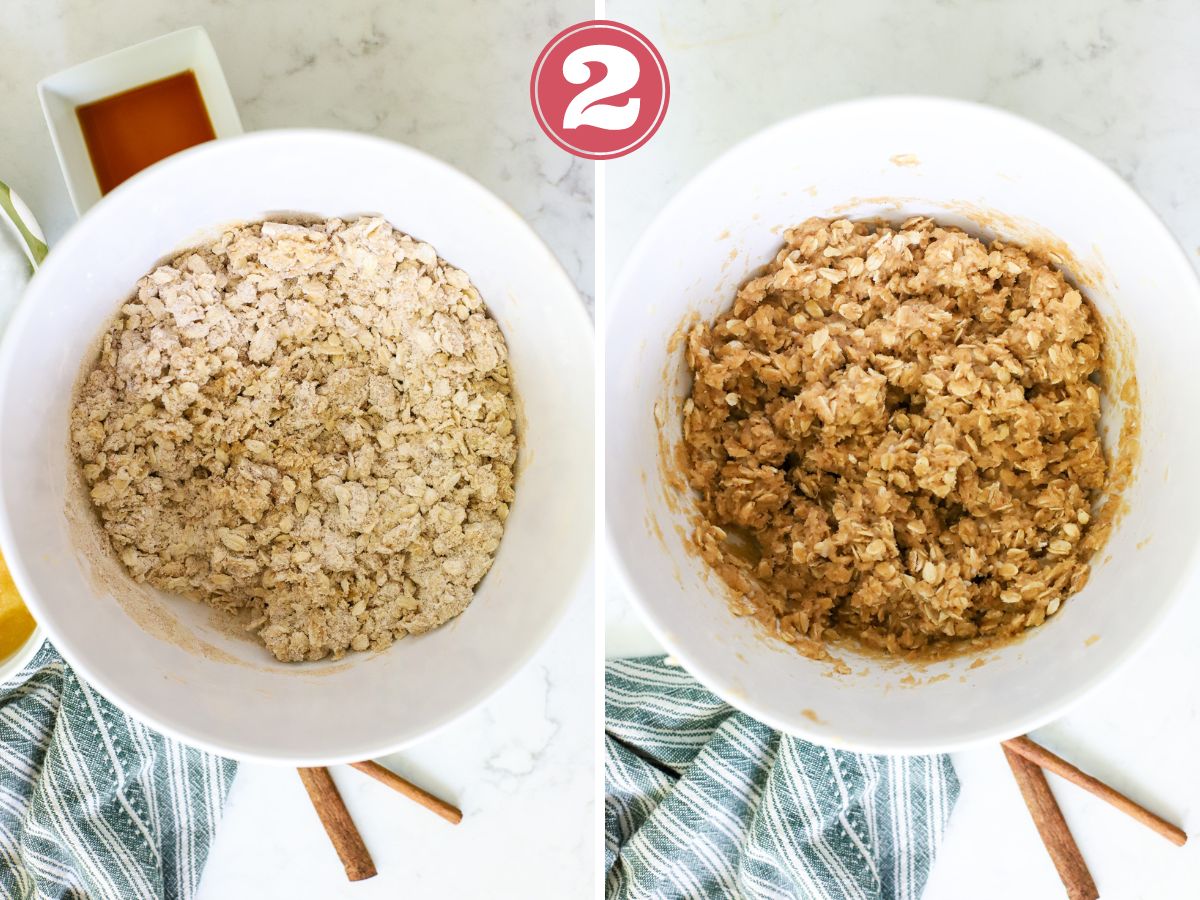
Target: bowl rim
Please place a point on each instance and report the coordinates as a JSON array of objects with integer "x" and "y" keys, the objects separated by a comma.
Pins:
[
  {"x": 714, "y": 681},
  {"x": 12, "y": 665},
  {"x": 47, "y": 627}
]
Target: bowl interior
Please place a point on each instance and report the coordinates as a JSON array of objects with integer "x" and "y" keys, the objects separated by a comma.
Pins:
[
  {"x": 163, "y": 658},
  {"x": 992, "y": 174}
]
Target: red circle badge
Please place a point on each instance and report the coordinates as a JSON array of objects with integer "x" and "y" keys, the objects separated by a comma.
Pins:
[{"x": 599, "y": 89}]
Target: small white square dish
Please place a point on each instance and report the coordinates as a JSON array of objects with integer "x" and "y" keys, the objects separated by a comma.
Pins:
[{"x": 63, "y": 93}]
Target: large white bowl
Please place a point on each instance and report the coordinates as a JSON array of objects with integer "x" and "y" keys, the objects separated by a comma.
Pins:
[
  {"x": 984, "y": 170},
  {"x": 230, "y": 696}
]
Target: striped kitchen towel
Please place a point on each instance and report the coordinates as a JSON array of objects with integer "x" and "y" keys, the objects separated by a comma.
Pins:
[
  {"x": 702, "y": 801},
  {"x": 92, "y": 803}
]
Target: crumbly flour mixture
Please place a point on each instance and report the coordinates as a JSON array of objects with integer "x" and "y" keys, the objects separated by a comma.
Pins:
[
  {"x": 309, "y": 425},
  {"x": 894, "y": 437}
]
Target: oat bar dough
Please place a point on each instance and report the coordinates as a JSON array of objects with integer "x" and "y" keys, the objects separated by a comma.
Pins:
[
  {"x": 309, "y": 425},
  {"x": 894, "y": 437}
]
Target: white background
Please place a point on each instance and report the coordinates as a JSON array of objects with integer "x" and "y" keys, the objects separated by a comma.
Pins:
[
  {"x": 450, "y": 79},
  {"x": 1119, "y": 78}
]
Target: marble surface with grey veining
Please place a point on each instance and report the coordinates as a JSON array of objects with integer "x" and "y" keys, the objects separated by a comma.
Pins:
[
  {"x": 1120, "y": 78},
  {"x": 450, "y": 78},
  {"x": 1116, "y": 76}
]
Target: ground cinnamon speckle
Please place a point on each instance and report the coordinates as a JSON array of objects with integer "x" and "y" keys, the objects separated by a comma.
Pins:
[{"x": 309, "y": 425}]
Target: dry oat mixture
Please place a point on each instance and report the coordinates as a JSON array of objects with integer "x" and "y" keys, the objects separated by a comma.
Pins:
[
  {"x": 894, "y": 437},
  {"x": 309, "y": 425}
]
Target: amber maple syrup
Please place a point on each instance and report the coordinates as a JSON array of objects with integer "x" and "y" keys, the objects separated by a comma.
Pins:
[{"x": 129, "y": 131}]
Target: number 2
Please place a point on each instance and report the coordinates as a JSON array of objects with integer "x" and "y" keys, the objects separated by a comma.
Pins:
[{"x": 621, "y": 73}]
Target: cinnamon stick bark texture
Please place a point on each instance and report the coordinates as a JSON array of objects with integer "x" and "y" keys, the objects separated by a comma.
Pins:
[
  {"x": 338, "y": 825},
  {"x": 1052, "y": 827},
  {"x": 451, "y": 814},
  {"x": 1036, "y": 753}
]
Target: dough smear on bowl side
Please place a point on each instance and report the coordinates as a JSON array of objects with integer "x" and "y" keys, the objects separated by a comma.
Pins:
[
  {"x": 308, "y": 425},
  {"x": 894, "y": 440}
]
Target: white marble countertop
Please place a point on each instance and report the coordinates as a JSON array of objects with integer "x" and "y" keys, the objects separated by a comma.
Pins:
[
  {"x": 1117, "y": 77},
  {"x": 450, "y": 79},
  {"x": 521, "y": 768}
]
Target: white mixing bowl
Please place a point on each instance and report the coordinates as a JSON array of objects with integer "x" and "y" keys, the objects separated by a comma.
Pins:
[
  {"x": 991, "y": 173},
  {"x": 181, "y": 674}
]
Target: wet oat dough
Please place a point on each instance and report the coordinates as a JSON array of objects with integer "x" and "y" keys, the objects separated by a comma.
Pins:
[{"x": 894, "y": 438}]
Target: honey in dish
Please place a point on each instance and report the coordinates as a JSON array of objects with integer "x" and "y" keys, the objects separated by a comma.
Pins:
[
  {"x": 129, "y": 131},
  {"x": 16, "y": 624}
]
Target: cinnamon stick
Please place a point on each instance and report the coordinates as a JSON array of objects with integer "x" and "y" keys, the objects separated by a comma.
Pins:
[
  {"x": 1052, "y": 827},
  {"x": 1038, "y": 754},
  {"x": 451, "y": 814},
  {"x": 338, "y": 825}
]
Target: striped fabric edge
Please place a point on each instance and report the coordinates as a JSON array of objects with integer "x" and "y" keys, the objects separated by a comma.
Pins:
[
  {"x": 750, "y": 813},
  {"x": 94, "y": 804},
  {"x": 660, "y": 709}
]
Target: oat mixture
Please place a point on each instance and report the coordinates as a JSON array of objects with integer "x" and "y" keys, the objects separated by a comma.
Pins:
[
  {"x": 894, "y": 437},
  {"x": 311, "y": 426}
]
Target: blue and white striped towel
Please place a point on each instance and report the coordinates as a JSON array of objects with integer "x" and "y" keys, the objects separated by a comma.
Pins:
[
  {"x": 94, "y": 804},
  {"x": 704, "y": 802}
]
